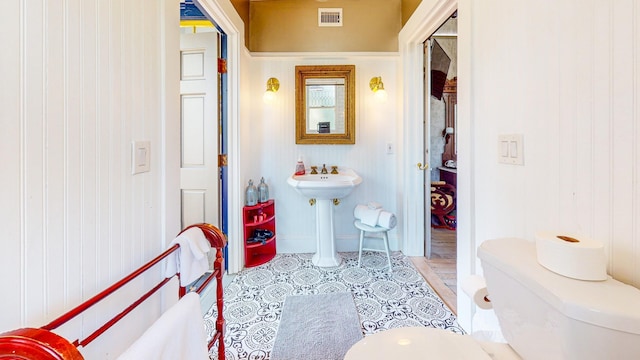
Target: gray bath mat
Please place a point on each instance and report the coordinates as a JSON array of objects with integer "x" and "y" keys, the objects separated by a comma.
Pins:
[{"x": 317, "y": 327}]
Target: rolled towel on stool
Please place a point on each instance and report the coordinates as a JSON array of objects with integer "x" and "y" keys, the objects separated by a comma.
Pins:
[
  {"x": 370, "y": 217},
  {"x": 367, "y": 215},
  {"x": 374, "y": 215},
  {"x": 359, "y": 211},
  {"x": 374, "y": 205},
  {"x": 387, "y": 220}
]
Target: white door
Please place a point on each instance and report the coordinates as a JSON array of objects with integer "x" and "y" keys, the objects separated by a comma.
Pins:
[{"x": 199, "y": 179}]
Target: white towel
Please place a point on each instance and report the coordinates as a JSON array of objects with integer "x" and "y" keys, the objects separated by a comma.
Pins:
[
  {"x": 370, "y": 216},
  {"x": 177, "y": 335},
  {"x": 375, "y": 217},
  {"x": 366, "y": 214},
  {"x": 359, "y": 210},
  {"x": 374, "y": 205},
  {"x": 190, "y": 260},
  {"x": 387, "y": 220}
]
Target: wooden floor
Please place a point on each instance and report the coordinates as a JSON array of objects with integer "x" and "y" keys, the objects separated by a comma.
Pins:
[{"x": 440, "y": 269}]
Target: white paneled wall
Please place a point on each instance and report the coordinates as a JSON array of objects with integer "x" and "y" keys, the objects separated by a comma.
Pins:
[
  {"x": 81, "y": 79},
  {"x": 567, "y": 77},
  {"x": 272, "y": 152}
]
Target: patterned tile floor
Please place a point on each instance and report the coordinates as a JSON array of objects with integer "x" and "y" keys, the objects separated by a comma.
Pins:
[{"x": 253, "y": 301}]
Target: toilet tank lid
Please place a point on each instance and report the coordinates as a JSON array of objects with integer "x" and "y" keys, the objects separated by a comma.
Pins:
[{"x": 610, "y": 303}]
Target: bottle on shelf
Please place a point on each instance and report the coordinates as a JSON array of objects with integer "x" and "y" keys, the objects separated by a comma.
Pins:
[
  {"x": 251, "y": 194},
  {"x": 263, "y": 191}
]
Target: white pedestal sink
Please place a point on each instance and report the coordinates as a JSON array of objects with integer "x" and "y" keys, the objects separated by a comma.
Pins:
[{"x": 324, "y": 188}]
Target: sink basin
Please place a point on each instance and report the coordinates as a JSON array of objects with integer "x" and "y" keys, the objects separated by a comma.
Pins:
[{"x": 325, "y": 186}]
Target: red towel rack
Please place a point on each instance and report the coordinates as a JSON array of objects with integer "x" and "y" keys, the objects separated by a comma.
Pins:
[{"x": 42, "y": 344}]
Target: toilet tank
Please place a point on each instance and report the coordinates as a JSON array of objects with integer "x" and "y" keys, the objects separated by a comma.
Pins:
[{"x": 544, "y": 315}]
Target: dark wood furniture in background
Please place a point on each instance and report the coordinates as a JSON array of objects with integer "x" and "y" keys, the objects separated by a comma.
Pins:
[
  {"x": 450, "y": 96},
  {"x": 450, "y": 176},
  {"x": 443, "y": 203}
]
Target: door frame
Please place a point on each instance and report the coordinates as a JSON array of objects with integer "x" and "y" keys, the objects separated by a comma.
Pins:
[
  {"x": 428, "y": 146},
  {"x": 217, "y": 13},
  {"x": 426, "y": 19},
  {"x": 426, "y": 98}
]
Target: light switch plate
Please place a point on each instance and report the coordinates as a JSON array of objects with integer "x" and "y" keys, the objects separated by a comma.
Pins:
[
  {"x": 140, "y": 156},
  {"x": 510, "y": 149}
]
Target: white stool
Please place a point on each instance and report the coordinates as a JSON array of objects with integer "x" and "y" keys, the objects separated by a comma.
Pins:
[{"x": 372, "y": 229}]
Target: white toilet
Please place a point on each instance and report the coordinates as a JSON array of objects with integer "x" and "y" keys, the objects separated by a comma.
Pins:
[{"x": 542, "y": 315}]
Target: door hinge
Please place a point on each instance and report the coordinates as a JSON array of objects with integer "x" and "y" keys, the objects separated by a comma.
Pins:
[
  {"x": 222, "y": 160},
  {"x": 222, "y": 66}
]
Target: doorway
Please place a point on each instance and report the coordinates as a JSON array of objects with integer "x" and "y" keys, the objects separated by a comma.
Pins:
[
  {"x": 203, "y": 121},
  {"x": 440, "y": 181},
  {"x": 199, "y": 173}
]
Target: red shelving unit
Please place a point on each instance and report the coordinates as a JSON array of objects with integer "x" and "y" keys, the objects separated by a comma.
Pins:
[{"x": 259, "y": 217}]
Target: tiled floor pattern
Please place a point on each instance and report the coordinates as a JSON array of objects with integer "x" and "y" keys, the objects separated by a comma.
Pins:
[{"x": 253, "y": 301}]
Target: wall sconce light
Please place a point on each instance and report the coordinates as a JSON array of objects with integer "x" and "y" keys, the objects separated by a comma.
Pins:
[
  {"x": 377, "y": 87},
  {"x": 272, "y": 86}
]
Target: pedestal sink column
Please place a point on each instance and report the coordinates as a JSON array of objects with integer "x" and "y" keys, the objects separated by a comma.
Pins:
[
  {"x": 324, "y": 188},
  {"x": 326, "y": 254}
]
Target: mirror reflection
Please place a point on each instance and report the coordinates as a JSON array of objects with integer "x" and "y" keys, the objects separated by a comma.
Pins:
[{"x": 325, "y": 104}]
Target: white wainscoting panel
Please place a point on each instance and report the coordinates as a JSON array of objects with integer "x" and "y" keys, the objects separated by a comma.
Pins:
[{"x": 81, "y": 80}]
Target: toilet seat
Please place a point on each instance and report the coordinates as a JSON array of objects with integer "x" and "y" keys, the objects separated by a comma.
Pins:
[{"x": 422, "y": 343}]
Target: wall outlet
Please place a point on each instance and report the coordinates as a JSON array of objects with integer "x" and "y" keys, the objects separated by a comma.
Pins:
[{"x": 389, "y": 148}]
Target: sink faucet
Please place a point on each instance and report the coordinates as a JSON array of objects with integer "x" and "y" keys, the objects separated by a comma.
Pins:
[{"x": 324, "y": 169}]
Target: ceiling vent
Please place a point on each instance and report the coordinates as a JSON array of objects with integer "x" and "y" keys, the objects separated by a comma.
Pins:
[{"x": 330, "y": 17}]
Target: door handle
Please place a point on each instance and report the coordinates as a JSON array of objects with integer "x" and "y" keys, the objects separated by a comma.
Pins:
[{"x": 422, "y": 167}]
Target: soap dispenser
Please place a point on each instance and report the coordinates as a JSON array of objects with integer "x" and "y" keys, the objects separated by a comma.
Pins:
[
  {"x": 251, "y": 194},
  {"x": 299, "y": 167},
  {"x": 263, "y": 191}
]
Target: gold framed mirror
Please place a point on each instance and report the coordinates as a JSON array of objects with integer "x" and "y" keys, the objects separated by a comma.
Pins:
[{"x": 325, "y": 104}]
